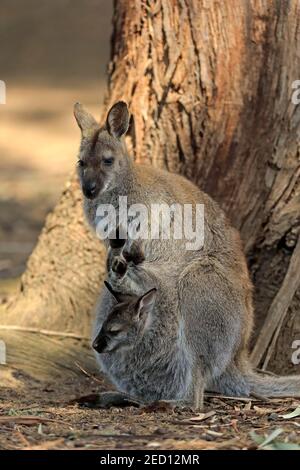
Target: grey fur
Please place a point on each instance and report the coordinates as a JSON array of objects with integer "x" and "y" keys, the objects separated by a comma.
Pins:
[
  {"x": 211, "y": 285},
  {"x": 152, "y": 360}
]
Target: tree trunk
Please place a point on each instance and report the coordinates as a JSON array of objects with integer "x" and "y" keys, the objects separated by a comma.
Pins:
[{"x": 209, "y": 84}]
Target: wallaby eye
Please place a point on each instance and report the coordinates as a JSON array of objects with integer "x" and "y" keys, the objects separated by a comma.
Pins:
[
  {"x": 114, "y": 332},
  {"x": 108, "y": 161},
  {"x": 81, "y": 163}
]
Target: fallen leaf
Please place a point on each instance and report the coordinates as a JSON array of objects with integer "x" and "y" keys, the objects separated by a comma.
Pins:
[
  {"x": 291, "y": 415},
  {"x": 264, "y": 441},
  {"x": 272, "y": 436},
  {"x": 214, "y": 433},
  {"x": 286, "y": 446},
  {"x": 263, "y": 411},
  {"x": 203, "y": 416},
  {"x": 193, "y": 444}
]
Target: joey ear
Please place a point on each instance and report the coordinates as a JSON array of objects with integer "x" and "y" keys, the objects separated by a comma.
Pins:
[
  {"x": 118, "y": 297},
  {"x": 86, "y": 122},
  {"x": 117, "y": 121},
  {"x": 146, "y": 302}
]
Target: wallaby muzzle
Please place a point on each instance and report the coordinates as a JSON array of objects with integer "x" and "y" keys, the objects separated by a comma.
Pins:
[
  {"x": 90, "y": 189},
  {"x": 100, "y": 343}
]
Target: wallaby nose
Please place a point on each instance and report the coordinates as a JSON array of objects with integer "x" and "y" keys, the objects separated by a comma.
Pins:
[
  {"x": 89, "y": 189},
  {"x": 100, "y": 343}
]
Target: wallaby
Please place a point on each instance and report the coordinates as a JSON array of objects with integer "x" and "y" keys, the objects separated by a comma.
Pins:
[
  {"x": 141, "y": 344},
  {"x": 213, "y": 284}
]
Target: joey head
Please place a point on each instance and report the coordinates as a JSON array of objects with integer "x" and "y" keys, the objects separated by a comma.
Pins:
[{"x": 126, "y": 323}]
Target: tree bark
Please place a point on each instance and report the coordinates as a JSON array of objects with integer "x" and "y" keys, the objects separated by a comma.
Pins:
[{"x": 209, "y": 84}]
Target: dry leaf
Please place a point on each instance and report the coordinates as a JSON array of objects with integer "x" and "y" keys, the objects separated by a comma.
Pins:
[
  {"x": 293, "y": 414},
  {"x": 203, "y": 416},
  {"x": 214, "y": 433}
]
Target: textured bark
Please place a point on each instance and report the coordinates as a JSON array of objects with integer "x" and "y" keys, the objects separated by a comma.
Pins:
[
  {"x": 209, "y": 84},
  {"x": 58, "y": 287}
]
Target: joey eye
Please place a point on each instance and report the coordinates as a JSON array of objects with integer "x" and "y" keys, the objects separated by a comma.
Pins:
[
  {"x": 114, "y": 329},
  {"x": 114, "y": 332},
  {"x": 108, "y": 161}
]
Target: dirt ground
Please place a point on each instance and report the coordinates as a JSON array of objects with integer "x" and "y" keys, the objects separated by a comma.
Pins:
[{"x": 39, "y": 416}]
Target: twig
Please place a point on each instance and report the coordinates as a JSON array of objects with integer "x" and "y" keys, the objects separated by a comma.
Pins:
[
  {"x": 272, "y": 344},
  {"x": 266, "y": 372},
  {"x": 243, "y": 399},
  {"x": 43, "y": 332},
  {"x": 260, "y": 397},
  {"x": 22, "y": 438},
  {"x": 88, "y": 374}
]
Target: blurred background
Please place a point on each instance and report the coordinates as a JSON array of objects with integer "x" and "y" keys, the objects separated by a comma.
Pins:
[{"x": 52, "y": 53}]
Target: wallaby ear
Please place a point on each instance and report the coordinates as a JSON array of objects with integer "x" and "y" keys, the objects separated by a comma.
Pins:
[
  {"x": 146, "y": 302},
  {"x": 117, "y": 121},
  {"x": 118, "y": 297},
  {"x": 86, "y": 122}
]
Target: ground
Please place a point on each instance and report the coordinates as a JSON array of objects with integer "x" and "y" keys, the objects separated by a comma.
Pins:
[{"x": 43, "y": 416}]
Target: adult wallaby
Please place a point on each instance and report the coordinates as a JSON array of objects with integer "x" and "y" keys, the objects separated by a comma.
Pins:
[{"x": 213, "y": 285}]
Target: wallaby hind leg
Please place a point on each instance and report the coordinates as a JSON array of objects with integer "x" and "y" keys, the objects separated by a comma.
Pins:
[
  {"x": 212, "y": 315},
  {"x": 198, "y": 391}
]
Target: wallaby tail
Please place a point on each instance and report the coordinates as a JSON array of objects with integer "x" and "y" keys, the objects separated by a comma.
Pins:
[
  {"x": 269, "y": 386},
  {"x": 235, "y": 382}
]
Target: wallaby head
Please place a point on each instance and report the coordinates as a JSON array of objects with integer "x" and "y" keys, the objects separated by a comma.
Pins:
[
  {"x": 102, "y": 156},
  {"x": 126, "y": 323}
]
